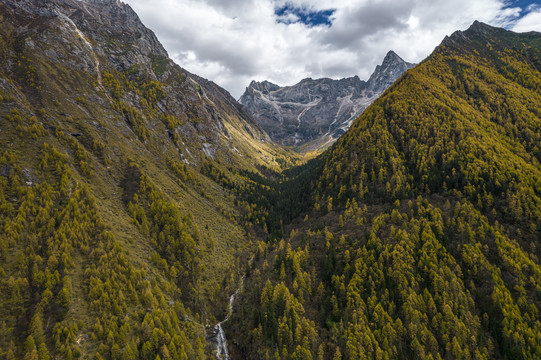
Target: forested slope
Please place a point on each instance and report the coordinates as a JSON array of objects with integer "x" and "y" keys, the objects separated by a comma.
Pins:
[
  {"x": 423, "y": 236},
  {"x": 133, "y": 194},
  {"x": 114, "y": 241}
]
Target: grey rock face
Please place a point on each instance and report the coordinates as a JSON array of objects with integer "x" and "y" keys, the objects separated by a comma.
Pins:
[
  {"x": 92, "y": 39},
  {"x": 386, "y": 74},
  {"x": 314, "y": 113},
  {"x": 107, "y": 23}
]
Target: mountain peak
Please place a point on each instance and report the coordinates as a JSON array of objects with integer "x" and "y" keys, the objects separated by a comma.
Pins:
[
  {"x": 263, "y": 86},
  {"x": 385, "y": 74},
  {"x": 392, "y": 57},
  {"x": 478, "y": 25},
  {"x": 480, "y": 29},
  {"x": 477, "y": 30},
  {"x": 314, "y": 112}
]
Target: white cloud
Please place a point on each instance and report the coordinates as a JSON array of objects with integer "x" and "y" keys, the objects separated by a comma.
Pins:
[
  {"x": 233, "y": 42},
  {"x": 530, "y": 22}
]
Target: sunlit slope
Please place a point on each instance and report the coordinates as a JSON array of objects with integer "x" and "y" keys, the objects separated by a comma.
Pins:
[
  {"x": 423, "y": 238},
  {"x": 113, "y": 243}
]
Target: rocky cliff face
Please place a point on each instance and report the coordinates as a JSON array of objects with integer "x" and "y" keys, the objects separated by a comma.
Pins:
[
  {"x": 386, "y": 74},
  {"x": 102, "y": 22},
  {"x": 72, "y": 43},
  {"x": 314, "y": 113}
]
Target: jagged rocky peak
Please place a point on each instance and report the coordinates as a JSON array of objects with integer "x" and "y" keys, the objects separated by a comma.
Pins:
[
  {"x": 264, "y": 86},
  {"x": 385, "y": 74},
  {"x": 315, "y": 112},
  {"x": 391, "y": 58}
]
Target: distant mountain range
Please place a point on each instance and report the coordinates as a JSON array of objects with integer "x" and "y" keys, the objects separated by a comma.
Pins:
[{"x": 314, "y": 113}]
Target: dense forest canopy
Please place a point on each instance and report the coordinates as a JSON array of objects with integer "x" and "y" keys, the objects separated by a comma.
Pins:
[
  {"x": 422, "y": 237},
  {"x": 135, "y": 199}
]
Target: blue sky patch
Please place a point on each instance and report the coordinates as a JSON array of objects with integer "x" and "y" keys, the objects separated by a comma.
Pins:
[
  {"x": 525, "y": 5},
  {"x": 291, "y": 14}
]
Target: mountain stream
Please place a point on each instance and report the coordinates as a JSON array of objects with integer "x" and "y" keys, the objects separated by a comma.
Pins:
[{"x": 218, "y": 338}]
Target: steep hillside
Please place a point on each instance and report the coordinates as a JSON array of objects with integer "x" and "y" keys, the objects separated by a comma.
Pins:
[
  {"x": 135, "y": 199},
  {"x": 116, "y": 238},
  {"x": 314, "y": 113},
  {"x": 99, "y": 52},
  {"x": 423, "y": 238}
]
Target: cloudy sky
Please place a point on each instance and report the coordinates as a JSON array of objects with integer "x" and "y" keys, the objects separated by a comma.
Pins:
[{"x": 235, "y": 41}]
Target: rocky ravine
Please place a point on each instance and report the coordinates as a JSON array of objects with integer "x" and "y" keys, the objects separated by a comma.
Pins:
[{"x": 314, "y": 113}]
